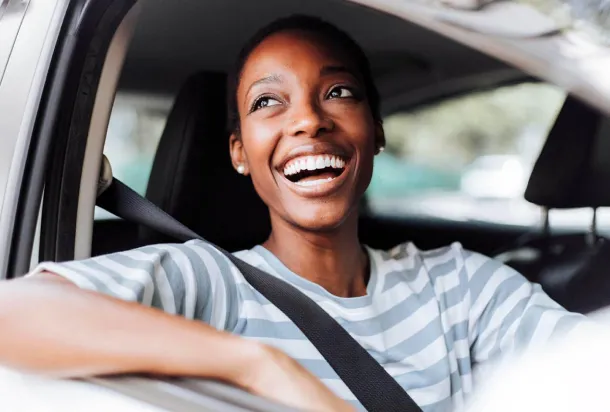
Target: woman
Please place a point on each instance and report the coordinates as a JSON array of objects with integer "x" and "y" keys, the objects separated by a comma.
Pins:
[{"x": 306, "y": 126}]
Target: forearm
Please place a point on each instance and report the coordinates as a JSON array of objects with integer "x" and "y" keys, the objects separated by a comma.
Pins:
[{"x": 55, "y": 328}]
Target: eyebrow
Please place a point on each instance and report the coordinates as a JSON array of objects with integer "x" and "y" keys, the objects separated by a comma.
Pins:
[
  {"x": 274, "y": 78},
  {"x": 324, "y": 71}
]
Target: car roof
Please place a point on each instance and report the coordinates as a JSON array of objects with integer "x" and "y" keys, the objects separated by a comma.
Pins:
[
  {"x": 412, "y": 60},
  {"x": 172, "y": 42}
]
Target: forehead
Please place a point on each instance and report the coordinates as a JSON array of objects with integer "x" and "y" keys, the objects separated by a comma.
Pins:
[{"x": 294, "y": 51}]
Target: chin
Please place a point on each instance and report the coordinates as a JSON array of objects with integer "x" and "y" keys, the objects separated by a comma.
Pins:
[
  {"x": 317, "y": 226},
  {"x": 326, "y": 218}
]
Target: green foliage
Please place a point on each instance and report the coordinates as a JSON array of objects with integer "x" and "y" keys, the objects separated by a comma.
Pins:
[{"x": 450, "y": 134}]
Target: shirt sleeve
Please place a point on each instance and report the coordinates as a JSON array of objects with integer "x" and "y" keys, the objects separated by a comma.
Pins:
[
  {"x": 507, "y": 312},
  {"x": 193, "y": 280}
]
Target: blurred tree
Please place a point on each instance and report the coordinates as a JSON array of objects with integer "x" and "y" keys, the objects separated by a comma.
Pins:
[{"x": 450, "y": 134}]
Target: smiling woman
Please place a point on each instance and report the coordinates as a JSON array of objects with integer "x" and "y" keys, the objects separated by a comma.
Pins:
[
  {"x": 309, "y": 94},
  {"x": 305, "y": 129}
]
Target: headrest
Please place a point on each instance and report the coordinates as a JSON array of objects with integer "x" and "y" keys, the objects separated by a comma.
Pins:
[
  {"x": 573, "y": 169},
  {"x": 192, "y": 178}
]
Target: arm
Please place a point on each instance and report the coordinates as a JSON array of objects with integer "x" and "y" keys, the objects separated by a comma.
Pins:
[
  {"x": 51, "y": 326},
  {"x": 507, "y": 312}
]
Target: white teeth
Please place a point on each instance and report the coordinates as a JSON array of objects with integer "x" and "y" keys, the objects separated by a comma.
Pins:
[
  {"x": 312, "y": 163},
  {"x": 314, "y": 182},
  {"x": 320, "y": 162}
]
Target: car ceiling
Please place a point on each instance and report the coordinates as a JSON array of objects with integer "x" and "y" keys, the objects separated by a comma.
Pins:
[{"x": 176, "y": 38}]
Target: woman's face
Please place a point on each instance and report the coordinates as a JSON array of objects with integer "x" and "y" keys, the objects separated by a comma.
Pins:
[{"x": 308, "y": 136}]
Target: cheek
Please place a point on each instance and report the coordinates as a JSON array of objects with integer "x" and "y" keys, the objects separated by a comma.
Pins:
[
  {"x": 360, "y": 126},
  {"x": 361, "y": 129},
  {"x": 259, "y": 140},
  {"x": 262, "y": 138}
]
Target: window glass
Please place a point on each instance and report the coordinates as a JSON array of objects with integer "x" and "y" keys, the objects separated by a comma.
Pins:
[
  {"x": 466, "y": 158},
  {"x": 134, "y": 130}
]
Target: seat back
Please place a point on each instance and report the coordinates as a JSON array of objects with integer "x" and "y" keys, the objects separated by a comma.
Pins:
[
  {"x": 571, "y": 172},
  {"x": 192, "y": 177}
]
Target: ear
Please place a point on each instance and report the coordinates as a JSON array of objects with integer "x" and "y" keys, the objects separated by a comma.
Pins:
[
  {"x": 379, "y": 137},
  {"x": 238, "y": 155}
]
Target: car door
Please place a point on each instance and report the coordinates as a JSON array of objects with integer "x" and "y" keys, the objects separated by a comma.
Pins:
[{"x": 28, "y": 31}]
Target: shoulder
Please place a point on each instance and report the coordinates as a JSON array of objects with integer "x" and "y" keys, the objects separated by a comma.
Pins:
[
  {"x": 446, "y": 259},
  {"x": 217, "y": 260},
  {"x": 194, "y": 265},
  {"x": 412, "y": 251},
  {"x": 194, "y": 255},
  {"x": 451, "y": 263}
]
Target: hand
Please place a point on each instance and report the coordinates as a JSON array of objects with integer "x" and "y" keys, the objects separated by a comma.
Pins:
[{"x": 278, "y": 377}]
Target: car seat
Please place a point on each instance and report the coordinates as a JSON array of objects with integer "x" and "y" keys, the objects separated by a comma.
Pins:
[
  {"x": 572, "y": 171},
  {"x": 192, "y": 177}
]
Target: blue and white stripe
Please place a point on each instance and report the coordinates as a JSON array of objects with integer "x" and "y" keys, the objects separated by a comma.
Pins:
[{"x": 429, "y": 316}]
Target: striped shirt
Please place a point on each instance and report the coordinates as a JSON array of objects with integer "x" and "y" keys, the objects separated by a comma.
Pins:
[{"x": 428, "y": 317}]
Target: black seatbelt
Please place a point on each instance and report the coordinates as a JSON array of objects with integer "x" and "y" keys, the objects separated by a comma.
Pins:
[{"x": 376, "y": 390}]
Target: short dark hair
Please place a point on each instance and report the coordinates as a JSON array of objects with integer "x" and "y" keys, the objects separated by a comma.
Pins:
[{"x": 310, "y": 24}]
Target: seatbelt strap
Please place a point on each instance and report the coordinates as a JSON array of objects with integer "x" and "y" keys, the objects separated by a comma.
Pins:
[{"x": 376, "y": 390}]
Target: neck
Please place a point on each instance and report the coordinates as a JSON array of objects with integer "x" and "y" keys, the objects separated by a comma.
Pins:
[{"x": 334, "y": 260}]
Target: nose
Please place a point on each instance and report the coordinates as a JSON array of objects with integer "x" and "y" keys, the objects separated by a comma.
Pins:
[{"x": 308, "y": 119}]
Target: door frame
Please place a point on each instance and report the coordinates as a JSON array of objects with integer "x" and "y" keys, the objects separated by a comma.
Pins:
[
  {"x": 21, "y": 94},
  {"x": 56, "y": 157}
]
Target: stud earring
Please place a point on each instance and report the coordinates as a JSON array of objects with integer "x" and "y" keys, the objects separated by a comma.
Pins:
[
  {"x": 380, "y": 149},
  {"x": 241, "y": 169}
]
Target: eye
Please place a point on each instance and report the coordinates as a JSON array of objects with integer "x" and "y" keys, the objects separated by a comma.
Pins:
[
  {"x": 264, "y": 101},
  {"x": 340, "y": 92}
]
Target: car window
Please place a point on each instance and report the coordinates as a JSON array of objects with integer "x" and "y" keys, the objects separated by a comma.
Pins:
[
  {"x": 135, "y": 127},
  {"x": 465, "y": 158}
]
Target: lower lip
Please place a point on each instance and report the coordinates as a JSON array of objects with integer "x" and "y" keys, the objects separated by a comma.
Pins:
[{"x": 322, "y": 188}]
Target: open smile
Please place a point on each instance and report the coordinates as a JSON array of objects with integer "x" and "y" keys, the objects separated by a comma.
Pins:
[
  {"x": 314, "y": 170},
  {"x": 315, "y": 175}
]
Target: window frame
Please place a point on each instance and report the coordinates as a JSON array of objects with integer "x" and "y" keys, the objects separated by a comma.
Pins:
[
  {"x": 21, "y": 95},
  {"x": 55, "y": 159}
]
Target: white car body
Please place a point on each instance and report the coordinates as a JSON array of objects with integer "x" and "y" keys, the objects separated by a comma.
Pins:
[{"x": 22, "y": 392}]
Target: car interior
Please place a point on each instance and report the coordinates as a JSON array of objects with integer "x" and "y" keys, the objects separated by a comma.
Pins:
[
  {"x": 183, "y": 50},
  {"x": 569, "y": 174},
  {"x": 192, "y": 178},
  {"x": 411, "y": 66},
  {"x": 174, "y": 56}
]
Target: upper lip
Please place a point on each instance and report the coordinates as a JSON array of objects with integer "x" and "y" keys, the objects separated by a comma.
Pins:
[{"x": 321, "y": 148}]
